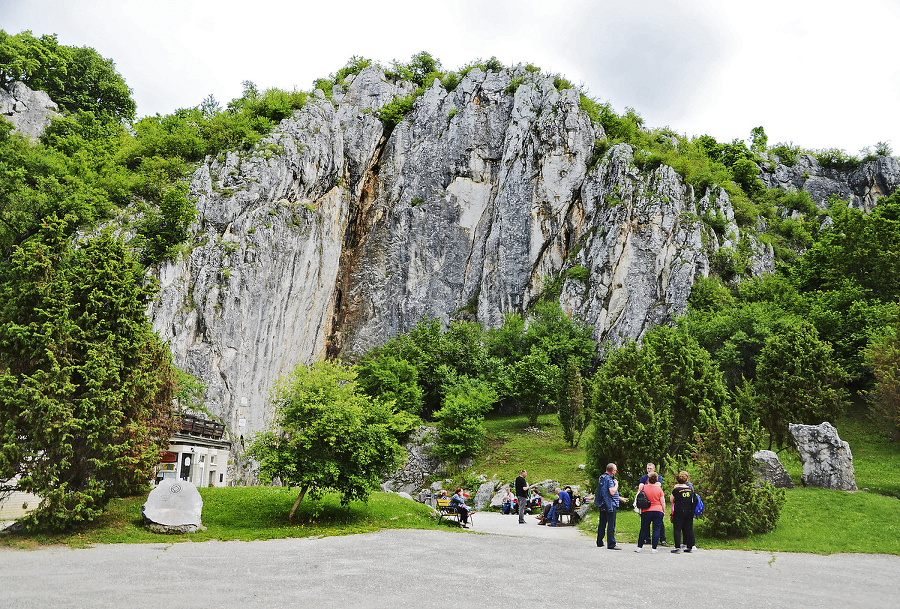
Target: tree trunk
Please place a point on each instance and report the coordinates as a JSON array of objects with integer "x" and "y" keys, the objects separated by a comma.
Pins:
[{"x": 297, "y": 503}]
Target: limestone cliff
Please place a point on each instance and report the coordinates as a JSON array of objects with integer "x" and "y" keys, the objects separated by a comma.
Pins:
[{"x": 333, "y": 234}]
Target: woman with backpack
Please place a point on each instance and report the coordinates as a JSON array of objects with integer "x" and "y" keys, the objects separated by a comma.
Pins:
[
  {"x": 684, "y": 501},
  {"x": 652, "y": 517}
]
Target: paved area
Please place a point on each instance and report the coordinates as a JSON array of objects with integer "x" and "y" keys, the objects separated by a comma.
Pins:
[{"x": 412, "y": 568}]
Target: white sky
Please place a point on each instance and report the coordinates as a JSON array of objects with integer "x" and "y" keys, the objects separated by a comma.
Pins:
[{"x": 816, "y": 73}]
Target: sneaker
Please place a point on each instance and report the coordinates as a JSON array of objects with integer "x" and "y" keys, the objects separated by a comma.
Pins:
[
  {"x": 552, "y": 524},
  {"x": 652, "y": 551},
  {"x": 688, "y": 551},
  {"x": 615, "y": 548},
  {"x": 638, "y": 550},
  {"x": 664, "y": 544},
  {"x": 676, "y": 551},
  {"x": 522, "y": 522}
]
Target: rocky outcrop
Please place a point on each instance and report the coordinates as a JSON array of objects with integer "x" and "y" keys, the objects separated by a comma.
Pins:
[
  {"x": 333, "y": 235},
  {"x": 861, "y": 187},
  {"x": 827, "y": 460},
  {"x": 769, "y": 469},
  {"x": 419, "y": 465},
  {"x": 29, "y": 111}
]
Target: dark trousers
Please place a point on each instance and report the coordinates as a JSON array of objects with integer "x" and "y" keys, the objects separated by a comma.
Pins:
[
  {"x": 648, "y": 519},
  {"x": 683, "y": 523},
  {"x": 662, "y": 532},
  {"x": 608, "y": 522},
  {"x": 463, "y": 514}
]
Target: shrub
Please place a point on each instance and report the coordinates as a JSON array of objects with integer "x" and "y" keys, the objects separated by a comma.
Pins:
[
  {"x": 733, "y": 504},
  {"x": 393, "y": 112},
  {"x": 579, "y": 273}
]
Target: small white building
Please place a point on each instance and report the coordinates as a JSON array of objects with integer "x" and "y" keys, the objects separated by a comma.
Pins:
[{"x": 197, "y": 453}]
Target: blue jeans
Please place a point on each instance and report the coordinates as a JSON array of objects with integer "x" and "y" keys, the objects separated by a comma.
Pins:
[
  {"x": 647, "y": 519},
  {"x": 608, "y": 522}
]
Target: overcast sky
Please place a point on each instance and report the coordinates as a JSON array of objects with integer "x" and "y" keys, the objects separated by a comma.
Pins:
[{"x": 815, "y": 73}]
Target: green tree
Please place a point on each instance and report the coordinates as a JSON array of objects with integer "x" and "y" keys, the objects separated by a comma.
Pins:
[
  {"x": 649, "y": 401},
  {"x": 883, "y": 356},
  {"x": 734, "y": 504},
  {"x": 759, "y": 140},
  {"x": 632, "y": 414},
  {"x": 86, "y": 387},
  {"x": 328, "y": 435},
  {"x": 797, "y": 381},
  {"x": 573, "y": 416},
  {"x": 77, "y": 78},
  {"x": 461, "y": 417},
  {"x": 389, "y": 378}
]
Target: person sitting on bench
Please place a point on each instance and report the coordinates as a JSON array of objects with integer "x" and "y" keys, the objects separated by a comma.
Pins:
[
  {"x": 563, "y": 502},
  {"x": 459, "y": 502}
]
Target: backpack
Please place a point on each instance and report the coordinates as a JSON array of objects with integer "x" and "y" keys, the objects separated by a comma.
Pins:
[
  {"x": 698, "y": 509},
  {"x": 641, "y": 501}
]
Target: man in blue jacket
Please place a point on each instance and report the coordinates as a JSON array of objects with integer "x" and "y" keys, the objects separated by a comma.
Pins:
[
  {"x": 562, "y": 499},
  {"x": 607, "y": 501}
]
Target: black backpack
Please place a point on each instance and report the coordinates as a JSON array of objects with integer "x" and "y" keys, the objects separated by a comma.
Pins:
[{"x": 641, "y": 501}]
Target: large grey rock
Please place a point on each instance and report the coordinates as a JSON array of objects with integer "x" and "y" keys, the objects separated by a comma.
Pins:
[
  {"x": 174, "y": 506},
  {"x": 28, "y": 110},
  {"x": 502, "y": 493},
  {"x": 420, "y": 463},
  {"x": 827, "y": 460},
  {"x": 768, "y": 468},
  {"x": 483, "y": 495}
]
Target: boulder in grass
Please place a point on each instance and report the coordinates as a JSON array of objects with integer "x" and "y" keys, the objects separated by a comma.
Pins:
[
  {"x": 174, "y": 507},
  {"x": 827, "y": 460},
  {"x": 769, "y": 469}
]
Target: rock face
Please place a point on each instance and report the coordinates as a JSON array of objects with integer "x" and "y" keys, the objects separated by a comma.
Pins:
[
  {"x": 769, "y": 469},
  {"x": 827, "y": 460},
  {"x": 174, "y": 506},
  {"x": 420, "y": 464},
  {"x": 29, "y": 111},
  {"x": 333, "y": 235}
]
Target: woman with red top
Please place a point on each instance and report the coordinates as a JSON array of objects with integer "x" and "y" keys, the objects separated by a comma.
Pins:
[{"x": 652, "y": 517}]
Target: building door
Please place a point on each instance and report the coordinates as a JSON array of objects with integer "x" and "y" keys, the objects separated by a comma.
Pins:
[{"x": 185, "y": 467}]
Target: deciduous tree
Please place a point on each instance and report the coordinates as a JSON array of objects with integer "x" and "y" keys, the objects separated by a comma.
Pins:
[{"x": 329, "y": 435}]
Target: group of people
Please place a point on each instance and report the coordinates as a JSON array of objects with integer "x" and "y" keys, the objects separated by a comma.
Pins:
[
  {"x": 683, "y": 501},
  {"x": 551, "y": 511},
  {"x": 458, "y": 501}
]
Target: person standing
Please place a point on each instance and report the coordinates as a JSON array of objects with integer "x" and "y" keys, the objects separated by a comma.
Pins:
[
  {"x": 652, "y": 517},
  {"x": 662, "y": 528},
  {"x": 607, "y": 501},
  {"x": 522, "y": 495},
  {"x": 683, "y": 503}
]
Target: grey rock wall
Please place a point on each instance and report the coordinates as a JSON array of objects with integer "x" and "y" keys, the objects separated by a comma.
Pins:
[{"x": 333, "y": 234}]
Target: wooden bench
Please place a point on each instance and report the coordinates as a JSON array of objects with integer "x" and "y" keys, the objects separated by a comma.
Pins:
[
  {"x": 449, "y": 511},
  {"x": 561, "y": 511}
]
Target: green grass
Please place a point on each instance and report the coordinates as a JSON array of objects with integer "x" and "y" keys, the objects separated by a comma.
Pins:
[
  {"x": 813, "y": 520},
  {"x": 514, "y": 447},
  {"x": 249, "y": 513}
]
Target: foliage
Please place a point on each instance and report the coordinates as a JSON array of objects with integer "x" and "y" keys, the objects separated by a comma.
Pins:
[
  {"x": 328, "y": 436},
  {"x": 733, "y": 504},
  {"x": 393, "y": 112},
  {"x": 390, "y": 378},
  {"x": 85, "y": 385},
  {"x": 649, "y": 401},
  {"x": 883, "y": 356},
  {"x": 833, "y": 158},
  {"x": 758, "y": 139},
  {"x": 864, "y": 248},
  {"x": 76, "y": 78},
  {"x": 787, "y": 153},
  {"x": 459, "y": 421},
  {"x": 574, "y": 418}
]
